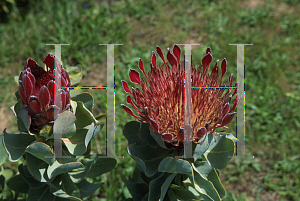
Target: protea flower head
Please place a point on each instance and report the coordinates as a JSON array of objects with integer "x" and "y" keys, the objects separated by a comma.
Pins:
[
  {"x": 37, "y": 91},
  {"x": 161, "y": 103}
]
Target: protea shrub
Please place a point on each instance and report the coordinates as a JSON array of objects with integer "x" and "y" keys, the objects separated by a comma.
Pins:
[
  {"x": 37, "y": 91},
  {"x": 54, "y": 139},
  {"x": 157, "y": 139}
]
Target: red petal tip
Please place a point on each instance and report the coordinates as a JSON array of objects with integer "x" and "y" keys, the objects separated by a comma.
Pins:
[
  {"x": 134, "y": 76},
  {"x": 228, "y": 118},
  {"x": 201, "y": 132},
  {"x": 177, "y": 52},
  {"x": 128, "y": 110},
  {"x": 224, "y": 66},
  {"x": 125, "y": 87},
  {"x": 167, "y": 137},
  {"x": 208, "y": 50}
]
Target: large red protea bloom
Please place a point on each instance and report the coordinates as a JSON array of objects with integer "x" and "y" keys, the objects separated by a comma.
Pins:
[
  {"x": 161, "y": 98},
  {"x": 37, "y": 91}
]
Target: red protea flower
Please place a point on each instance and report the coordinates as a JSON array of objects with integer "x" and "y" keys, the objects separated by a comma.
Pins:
[
  {"x": 37, "y": 91},
  {"x": 161, "y": 103}
]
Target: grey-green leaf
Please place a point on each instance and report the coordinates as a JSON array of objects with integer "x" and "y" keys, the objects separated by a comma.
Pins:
[
  {"x": 218, "y": 156},
  {"x": 16, "y": 144},
  {"x": 86, "y": 98},
  {"x": 41, "y": 151},
  {"x": 173, "y": 165},
  {"x": 64, "y": 125}
]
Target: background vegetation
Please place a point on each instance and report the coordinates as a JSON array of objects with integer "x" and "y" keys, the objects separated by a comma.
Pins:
[{"x": 271, "y": 66}]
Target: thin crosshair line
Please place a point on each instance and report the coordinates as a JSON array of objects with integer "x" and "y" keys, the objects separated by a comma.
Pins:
[{"x": 214, "y": 87}]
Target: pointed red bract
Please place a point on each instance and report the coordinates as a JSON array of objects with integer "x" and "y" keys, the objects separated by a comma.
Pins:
[
  {"x": 31, "y": 77},
  {"x": 167, "y": 137},
  {"x": 128, "y": 110},
  {"x": 237, "y": 87},
  {"x": 51, "y": 62},
  {"x": 236, "y": 102},
  {"x": 230, "y": 80},
  {"x": 35, "y": 106},
  {"x": 172, "y": 59},
  {"x": 141, "y": 67},
  {"x": 228, "y": 118},
  {"x": 29, "y": 63},
  {"x": 125, "y": 87},
  {"x": 201, "y": 132},
  {"x": 214, "y": 71},
  {"x": 50, "y": 113},
  {"x": 153, "y": 60},
  {"x": 44, "y": 96},
  {"x": 51, "y": 89},
  {"x": 134, "y": 76},
  {"x": 224, "y": 66},
  {"x": 180, "y": 134},
  {"x": 177, "y": 52},
  {"x": 63, "y": 82},
  {"x": 159, "y": 52},
  {"x": 154, "y": 126},
  {"x": 66, "y": 76},
  {"x": 208, "y": 50},
  {"x": 63, "y": 98},
  {"x": 206, "y": 61},
  {"x": 28, "y": 86},
  {"x": 225, "y": 110},
  {"x": 128, "y": 100}
]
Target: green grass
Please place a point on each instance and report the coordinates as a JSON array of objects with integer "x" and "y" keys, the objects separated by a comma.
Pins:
[{"x": 271, "y": 67}]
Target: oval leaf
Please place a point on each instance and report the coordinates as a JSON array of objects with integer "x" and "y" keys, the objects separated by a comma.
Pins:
[
  {"x": 17, "y": 183},
  {"x": 36, "y": 167},
  {"x": 211, "y": 175},
  {"x": 101, "y": 166},
  {"x": 218, "y": 156},
  {"x": 42, "y": 193},
  {"x": 41, "y": 151},
  {"x": 172, "y": 165},
  {"x": 69, "y": 187},
  {"x": 86, "y": 188},
  {"x": 203, "y": 147},
  {"x": 24, "y": 120},
  {"x": 148, "y": 158},
  {"x": 84, "y": 116},
  {"x": 32, "y": 182},
  {"x": 78, "y": 143},
  {"x": 204, "y": 187},
  {"x": 137, "y": 190},
  {"x": 64, "y": 125},
  {"x": 57, "y": 168},
  {"x": 87, "y": 100},
  {"x": 16, "y": 144}
]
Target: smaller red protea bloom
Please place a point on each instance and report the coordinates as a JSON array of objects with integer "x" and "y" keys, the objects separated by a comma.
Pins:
[
  {"x": 37, "y": 91},
  {"x": 161, "y": 102}
]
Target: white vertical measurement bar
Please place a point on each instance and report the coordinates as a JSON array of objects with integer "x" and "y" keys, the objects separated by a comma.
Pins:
[
  {"x": 240, "y": 150},
  {"x": 110, "y": 123},
  {"x": 188, "y": 112},
  {"x": 188, "y": 104}
]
